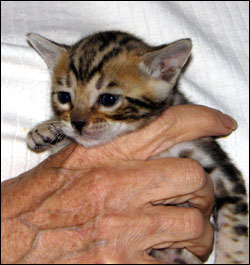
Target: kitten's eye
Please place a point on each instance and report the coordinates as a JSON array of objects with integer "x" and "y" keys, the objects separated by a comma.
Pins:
[
  {"x": 64, "y": 97},
  {"x": 108, "y": 100}
]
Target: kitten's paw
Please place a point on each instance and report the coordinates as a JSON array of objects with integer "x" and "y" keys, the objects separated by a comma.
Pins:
[{"x": 45, "y": 136}]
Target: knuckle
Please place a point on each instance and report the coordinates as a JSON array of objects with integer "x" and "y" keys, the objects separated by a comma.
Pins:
[
  {"x": 102, "y": 178},
  {"x": 111, "y": 221},
  {"x": 215, "y": 121},
  {"x": 100, "y": 173},
  {"x": 107, "y": 224},
  {"x": 150, "y": 220},
  {"x": 152, "y": 223},
  {"x": 110, "y": 194},
  {"x": 197, "y": 173},
  {"x": 210, "y": 116},
  {"x": 100, "y": 183},
  {"x": 210, "y": 235},
  {"x": 196, "y": 223},
  {"x": 213, "y": 118}
]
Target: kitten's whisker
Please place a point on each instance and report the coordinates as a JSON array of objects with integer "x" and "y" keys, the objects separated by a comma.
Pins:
[
  {"x": 58, "y": 134},
  {"x": 57, "y": 130}
]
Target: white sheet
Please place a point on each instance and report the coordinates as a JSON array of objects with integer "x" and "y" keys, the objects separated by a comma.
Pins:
[{"x": 217, "y": 75}]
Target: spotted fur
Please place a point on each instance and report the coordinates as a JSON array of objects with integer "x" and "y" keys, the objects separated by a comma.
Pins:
[{"x": 112, "y": 83}]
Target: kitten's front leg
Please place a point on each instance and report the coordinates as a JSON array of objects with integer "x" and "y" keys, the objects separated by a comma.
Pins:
[{"x": 47, "y": 135}]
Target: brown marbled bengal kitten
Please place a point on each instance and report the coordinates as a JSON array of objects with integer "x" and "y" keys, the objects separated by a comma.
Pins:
[{"x": 112, "y": 83}]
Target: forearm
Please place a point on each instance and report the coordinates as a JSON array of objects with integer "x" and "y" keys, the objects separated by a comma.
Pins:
[{"x": 17, "y": 239}]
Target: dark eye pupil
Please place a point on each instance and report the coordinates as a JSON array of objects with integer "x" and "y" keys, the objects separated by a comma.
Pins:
[
  {"x": 108, "y": 100},
  {"x": 64, "y": 97}
]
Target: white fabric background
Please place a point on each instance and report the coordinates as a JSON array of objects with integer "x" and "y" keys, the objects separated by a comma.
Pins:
[{"x": 217, "y": 75}]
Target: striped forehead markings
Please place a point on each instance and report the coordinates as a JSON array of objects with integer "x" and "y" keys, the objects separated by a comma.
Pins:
[
  {"x": 68, "y": 81},
  {"x": 99, "y": 82},
  {"x": 105, "y": 59},
  {"x": 80, "y": 68},
  {"x": 83, "y": 73},
  {"x": 73, "y": 68},
  {"x": 106, "y": 40},
  {"x": 89, "y": 48},
  {"x": 59, "y": 81}
]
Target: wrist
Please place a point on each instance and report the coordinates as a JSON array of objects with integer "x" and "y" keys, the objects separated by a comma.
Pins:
[
  {"x": 16, "y": 240},
  {"x": 28, "y": 190}
]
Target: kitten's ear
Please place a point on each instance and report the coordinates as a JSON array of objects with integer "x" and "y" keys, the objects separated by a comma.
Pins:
[
  {"x": 48, "y": 50},
  {"x": 166, "y": 63}
]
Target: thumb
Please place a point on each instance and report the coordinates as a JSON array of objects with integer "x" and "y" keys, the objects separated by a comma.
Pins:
[{"x": 177, "y": 124}]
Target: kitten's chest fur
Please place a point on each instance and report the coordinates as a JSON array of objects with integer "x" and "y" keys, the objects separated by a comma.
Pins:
[{"x": 113, "y": 83}]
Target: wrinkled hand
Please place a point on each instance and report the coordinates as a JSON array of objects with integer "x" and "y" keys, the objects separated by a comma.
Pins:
[{"x": 103, "y": 205}]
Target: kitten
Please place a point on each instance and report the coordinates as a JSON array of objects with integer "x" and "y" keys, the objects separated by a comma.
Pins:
[{"x": 112, "y": 83}]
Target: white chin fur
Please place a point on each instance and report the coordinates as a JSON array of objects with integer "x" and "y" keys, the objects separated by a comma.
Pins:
[
  {"x": 117, "y": 129},
  {"x": 90, "y": 142}
]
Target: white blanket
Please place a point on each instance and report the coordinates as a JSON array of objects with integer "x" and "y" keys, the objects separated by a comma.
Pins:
[{"x": 217, "y": 75}]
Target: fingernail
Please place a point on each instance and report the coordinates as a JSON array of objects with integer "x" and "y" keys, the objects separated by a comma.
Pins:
[{"x": 228, "y": 122}]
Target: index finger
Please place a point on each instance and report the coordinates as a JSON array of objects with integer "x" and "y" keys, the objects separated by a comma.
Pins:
[{"x": 152, "y": 181}]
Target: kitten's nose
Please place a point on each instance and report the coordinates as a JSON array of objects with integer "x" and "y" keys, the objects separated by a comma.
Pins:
[{"x": 78, "y": 125}]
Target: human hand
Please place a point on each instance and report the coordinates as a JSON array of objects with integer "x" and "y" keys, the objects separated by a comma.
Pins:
[{"x": 99, "y": 205}]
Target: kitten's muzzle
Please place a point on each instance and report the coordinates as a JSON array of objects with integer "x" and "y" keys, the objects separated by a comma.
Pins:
[{"x": 78, "y": 125}]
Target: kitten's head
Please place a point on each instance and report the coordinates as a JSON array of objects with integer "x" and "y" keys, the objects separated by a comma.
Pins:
[{"x": 110, "y": 83}]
